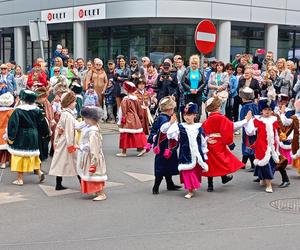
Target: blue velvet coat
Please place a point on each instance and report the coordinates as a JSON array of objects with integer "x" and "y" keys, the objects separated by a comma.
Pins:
[
  {"x": 162, "y": 166},
  {"x": 186, "y": 161},
  {"x": 247, "y": 151}
]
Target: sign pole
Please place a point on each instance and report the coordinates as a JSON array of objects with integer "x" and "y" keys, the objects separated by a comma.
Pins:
[
  {"x": 201, "y": 63},
  {"x": 41, "y": 41}
]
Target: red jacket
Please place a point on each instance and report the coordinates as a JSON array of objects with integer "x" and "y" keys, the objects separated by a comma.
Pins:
[
  {"x": 41, "y": 78},
  {"x": 266, "y": 145}
]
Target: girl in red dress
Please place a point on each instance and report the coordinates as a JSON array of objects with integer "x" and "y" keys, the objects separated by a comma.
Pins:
[
  {"x": 130, "y": 126},
  {"x": 219, "y": 129}
]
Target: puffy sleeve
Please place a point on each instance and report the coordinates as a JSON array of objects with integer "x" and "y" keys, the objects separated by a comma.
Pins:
[
  {"x": 204, "y": 146},
  {"x": 94, "y": 146},
  {"x": 250, "y": 128},
  {"x": 69, "y": 131},
  {"x": 172, "y": 130},
  {"x": 12, "y": 127},
  {"x": 226, "y": 131}
]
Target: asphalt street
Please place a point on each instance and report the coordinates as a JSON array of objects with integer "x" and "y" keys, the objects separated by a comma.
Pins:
[{"x": 238, "y": 215}]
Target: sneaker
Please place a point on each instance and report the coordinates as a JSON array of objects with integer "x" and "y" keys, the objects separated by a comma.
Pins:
[
  {"x": 18, "y": 182},
  {"x": 100, "y": 197},
  {"x": 121, "y": 155},
  {"x": 141, "y": 153},
  {"x": 237, "y": 133},
  {"x": 269, "y": 189},
  {"x": 189, "y": 195}
]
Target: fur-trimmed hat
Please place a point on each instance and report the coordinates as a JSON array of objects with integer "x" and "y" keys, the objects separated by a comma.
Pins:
[
  {"x": 282, "y": 97},
  {"x": 190, "y": 108},
  {"x": 297, "y": 105},
  {"x": 129, "y": 87},
  {"x": 41, "y": 91},
  {"x": 212, "y": 104},
  {"x": 247, "y": 93},
  {"x": 264, "y": 103},
  {"x": 28, "y": 96},
  {"x": 76, "y": 88},
  {"x": 6, "y": 100},
  {"x": 93, "y": 113},
  {"x": 167, "y": 103},
  {"x": 67, "y": 99}
]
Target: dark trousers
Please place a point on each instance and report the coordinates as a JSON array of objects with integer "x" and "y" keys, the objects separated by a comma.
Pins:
[
  {"x": 158, "y": 180},
  {"x": 232, "y": 108},
  {"x": 284, "y": 175},
  {"x": 251, "y": 158},
  {"x": 210, "y": 180}
]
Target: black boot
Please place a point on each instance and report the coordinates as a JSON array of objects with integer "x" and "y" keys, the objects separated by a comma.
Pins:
[
  {"x": 155, "y": 189},
  {"x": 170, "y": 184},
  {"x": 58, "y": 184},
  {"x": 285, "y": 179},
  {"x": 79, "y": 178},
  {"x": 210, "y": 187},
  {"x": 226, "y": 178}
]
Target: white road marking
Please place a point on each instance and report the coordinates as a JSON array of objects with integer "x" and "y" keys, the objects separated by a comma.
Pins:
[
  {"x": 51, "y": 192},
  {"x": 141, "y": 177},
  {"x": 6, "y": 197}
]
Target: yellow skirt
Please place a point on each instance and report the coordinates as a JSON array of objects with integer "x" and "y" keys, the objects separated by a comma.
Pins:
[
  {"x": 24, "y": 164},
  {"x": 296, "y": 164}
]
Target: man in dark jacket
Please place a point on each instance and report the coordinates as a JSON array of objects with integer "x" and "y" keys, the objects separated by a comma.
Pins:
[{"x": 167, "y": 84}]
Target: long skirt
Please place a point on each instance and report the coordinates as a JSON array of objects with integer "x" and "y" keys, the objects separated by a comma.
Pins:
[
  {"x": 91, "y": 187},
  {"x": 4, "y": 156},
  {"x": 296, "y": 164},
  {"x": 129, "y": 140},
  {"x": 265, "y": 172},
  {"x": 24, "y": 164},
  {"x": 191, "y": 178},
  {"x": 286, "y": 153}
]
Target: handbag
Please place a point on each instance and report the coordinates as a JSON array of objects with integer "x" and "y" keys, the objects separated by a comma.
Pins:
[{"x": 223, "y": 95}]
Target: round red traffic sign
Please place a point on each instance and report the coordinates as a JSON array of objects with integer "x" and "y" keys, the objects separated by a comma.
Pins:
[
  {"x": 205, "y": 36},
  {"x": 49, "y": 16},
  {"x": 81, "y": 13}
]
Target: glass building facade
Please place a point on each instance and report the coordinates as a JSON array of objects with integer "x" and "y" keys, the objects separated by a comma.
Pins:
[{"x": 156, "y": 41}]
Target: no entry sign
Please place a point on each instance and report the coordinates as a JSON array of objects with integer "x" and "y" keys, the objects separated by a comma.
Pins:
[{"x": 205, "y": 36}]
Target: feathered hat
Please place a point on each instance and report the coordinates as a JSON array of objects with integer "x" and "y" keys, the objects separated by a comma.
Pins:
[
  {"x": 167, "y": 103},
  {"x": 76, "y": 88},
  {"x": 6, "y": 100},
  {"x": 93, "y": 113},
  {"x": 247, "y": 93},
  {"x": 67, "y": 99},
  {"x": 129, "y": 87},
  {"x": 41, "y": 92},
  {"x": 28, "y": 96},
  {"x": 212, "y": 104},
  {"x": 190, "y": 108},
  {"x": 264, "y": 103}
]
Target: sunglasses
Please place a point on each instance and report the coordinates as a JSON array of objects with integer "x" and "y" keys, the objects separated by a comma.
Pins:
[
  {"x": 133, "y": 61},
  {"x": 230, "y": 69},
  {"x": 3, "y": 68},
  {"x": 56, "y": 71}
]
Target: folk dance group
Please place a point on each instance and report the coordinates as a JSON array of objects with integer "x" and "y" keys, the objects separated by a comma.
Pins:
[{"x": 270, "y": 139}]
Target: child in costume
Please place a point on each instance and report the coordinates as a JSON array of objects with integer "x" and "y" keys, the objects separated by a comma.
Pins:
[
  {"x": 248, "y": 104},
  {"x": 166, "y": 160},
  {"x": 144, "y": 101},
  {"x": 130, "y": 126},
  {"x": 91, "y": 165},
  {"x": 77, "y": 89},
  {"x": 110, "y": 101},
  {"x": 265, "y": 126},
  {"x": 6, "y": 109},
  {"x": 64, "y": 158},
  {"x": 220, "y": 129},
  {"x": 285, "y": 146},
  {"x": 90, "y": 97},
  {"x": 293, "y": 122},
  {"x": 25, "y": 126},
  {"x": 193, "y": 148}
]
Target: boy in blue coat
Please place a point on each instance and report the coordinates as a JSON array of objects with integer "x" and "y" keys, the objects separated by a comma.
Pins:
[
  {"x": 247, "y": 96},
  {"x": 166, "y": 160}
]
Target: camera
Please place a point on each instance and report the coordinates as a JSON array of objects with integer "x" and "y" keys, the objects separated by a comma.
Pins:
[{"x": 165, "y": 76}]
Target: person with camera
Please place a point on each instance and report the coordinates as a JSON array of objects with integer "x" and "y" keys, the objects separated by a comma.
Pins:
[
  {"x": 193, "y": 84},
  {"x": 167, "y": 84},
  {"x": 37, "y": 78},
  {"x": 134, "y": 69}
]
